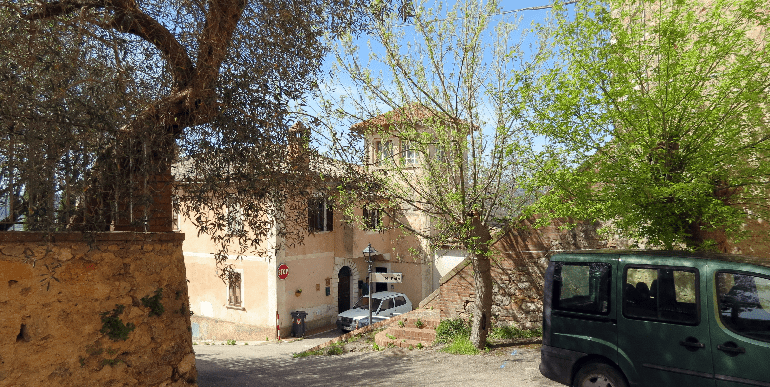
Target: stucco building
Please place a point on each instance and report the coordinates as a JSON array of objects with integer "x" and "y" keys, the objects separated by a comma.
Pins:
[{"x": 325, "y": 273}]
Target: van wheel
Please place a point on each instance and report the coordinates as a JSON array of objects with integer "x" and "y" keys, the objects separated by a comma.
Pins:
[{"x": 599, "y": 375}]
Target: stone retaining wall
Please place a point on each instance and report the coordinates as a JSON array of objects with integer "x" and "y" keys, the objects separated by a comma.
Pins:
[
  {"x": 63, "y": 295},
  {"x": 517, "y": 272}
]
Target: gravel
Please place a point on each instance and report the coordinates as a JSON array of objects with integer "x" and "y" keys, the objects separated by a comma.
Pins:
[{"x": 271, "y": 364}]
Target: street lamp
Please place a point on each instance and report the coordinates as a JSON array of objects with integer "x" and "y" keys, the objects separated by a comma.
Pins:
[{"x": 368, "y": 252}]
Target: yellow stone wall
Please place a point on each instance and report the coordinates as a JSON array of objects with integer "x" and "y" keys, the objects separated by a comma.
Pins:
[{"x": 54, "y": 289}]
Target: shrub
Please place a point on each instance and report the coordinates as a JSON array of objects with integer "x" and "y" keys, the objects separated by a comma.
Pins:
[
  {"x": 156, "y": 307},
  {"x": 461, "y": 345},
  {"x": 419, "y": 324},
  {"x": 231, "y": 342},
  {"x": 447, "y": 330},
  {"x": 512, "y": 332}
]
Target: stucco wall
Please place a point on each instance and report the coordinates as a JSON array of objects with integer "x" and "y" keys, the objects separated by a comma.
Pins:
[{"x": 57, "y": 292}]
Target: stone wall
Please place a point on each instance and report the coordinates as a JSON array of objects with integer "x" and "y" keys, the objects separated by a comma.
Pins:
[
  {"x": 64, "y": 295},
  {"x": 517, "y": 272}
]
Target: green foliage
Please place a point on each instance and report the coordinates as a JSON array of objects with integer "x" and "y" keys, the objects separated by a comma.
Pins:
[
  {"x": 376, "y": 347},
  {"x": 401, "y": 323},
  {"x": 230, "y": 342},
  {"x": 419, "y": 324},
  {"x": 111, "y": 362},
  {"x": 461, "y": 345},
  {"x": 420, "y": 346},
  {"x": 448, "y": 329},
  {"x": 655, "y": 113},
  {"x": 388, "y": 335},
  {"x": 512, "y": 332},
  {"x": 153, "y": 302},
  {"x": 113, "y": 326},
  {"x": 331, "y": 350}
]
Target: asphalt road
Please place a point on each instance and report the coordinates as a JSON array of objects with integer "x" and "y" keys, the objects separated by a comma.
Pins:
[{"x": 271, "y": 364}]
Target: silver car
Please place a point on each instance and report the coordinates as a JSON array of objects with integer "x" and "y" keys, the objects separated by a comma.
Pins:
[{"x": 384, "y": 306}]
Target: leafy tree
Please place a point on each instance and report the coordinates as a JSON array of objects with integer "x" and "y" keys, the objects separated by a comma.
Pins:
[
  {"x": 104, "y": 96},
  {"x": 657, "y": 117},
  {"x": 458, "y": 150}
]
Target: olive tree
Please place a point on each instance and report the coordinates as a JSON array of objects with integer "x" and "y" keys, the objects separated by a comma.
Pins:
[{"x": 100, "y": 98}]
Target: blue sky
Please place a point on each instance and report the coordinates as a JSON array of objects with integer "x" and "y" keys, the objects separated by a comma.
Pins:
[{"x": 525, "y": 17}]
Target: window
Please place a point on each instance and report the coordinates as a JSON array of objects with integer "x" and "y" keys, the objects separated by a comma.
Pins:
[
  {"x": 234, "y": 218},
  {"x": 408, "y": 153},
  {"x": 320, "y": 216},
  {"x": 744, "y": 302},
  {"x": 372, "y": 218},
  {"x": 386, "y": 304},
  {"x": 582, "y": 287},
  {"x": 400, "y": 301},
  {"x": 234, "y": 292},
  {"x": 384, "y": 151},
  {"x": 662, "y": 294}
]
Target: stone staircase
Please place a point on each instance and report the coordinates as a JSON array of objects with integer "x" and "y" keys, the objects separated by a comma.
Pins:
[{"x": 419, "y": 327}]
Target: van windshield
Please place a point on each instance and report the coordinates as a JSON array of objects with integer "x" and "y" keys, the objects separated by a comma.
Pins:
[{"x": 363, "y": 303}]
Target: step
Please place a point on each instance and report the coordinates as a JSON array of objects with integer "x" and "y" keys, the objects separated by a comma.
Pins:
[
  {"x": 404, "y": 337},
  {"x": 425, "y": 334}
]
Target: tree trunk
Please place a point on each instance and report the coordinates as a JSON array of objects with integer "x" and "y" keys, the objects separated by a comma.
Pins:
[
  {"x": 482, "y": 275},
  {"x": 482, "y": 307}
]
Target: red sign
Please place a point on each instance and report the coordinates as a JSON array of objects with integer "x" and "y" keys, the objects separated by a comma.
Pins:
[{"x": 283, "y": 271}]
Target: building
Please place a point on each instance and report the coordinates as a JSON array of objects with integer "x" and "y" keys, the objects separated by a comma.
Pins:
[{"x": 322, "y": 276}]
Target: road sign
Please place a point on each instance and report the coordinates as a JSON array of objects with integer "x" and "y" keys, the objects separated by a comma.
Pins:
[
  {"x": 283, "y": 271},
  {"x": 387, "y": 277}
]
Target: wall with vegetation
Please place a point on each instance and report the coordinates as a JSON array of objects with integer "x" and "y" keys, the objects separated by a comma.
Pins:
[{"x": 104, "y": 309}]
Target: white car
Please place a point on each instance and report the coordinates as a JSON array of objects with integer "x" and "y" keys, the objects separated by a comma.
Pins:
[{"x": 384, "y": 306}]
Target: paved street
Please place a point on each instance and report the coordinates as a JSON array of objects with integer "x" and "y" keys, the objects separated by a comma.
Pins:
[{"x": 271, "y": 364}]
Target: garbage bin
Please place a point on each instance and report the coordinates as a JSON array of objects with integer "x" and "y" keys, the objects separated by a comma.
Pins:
[{"x": 298, "y": 323}]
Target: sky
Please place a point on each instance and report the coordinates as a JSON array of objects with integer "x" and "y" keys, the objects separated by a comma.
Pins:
[{"x": 507, "y": 10}]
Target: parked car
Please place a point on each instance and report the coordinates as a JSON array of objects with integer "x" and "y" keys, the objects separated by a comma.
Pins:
[
  {"x": 384, "y": 306},
  {"x": 654, "y": 318}
]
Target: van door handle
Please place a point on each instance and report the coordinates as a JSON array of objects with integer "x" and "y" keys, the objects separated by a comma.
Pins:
[
  {"x": 692, "y": 344},
  {"x": 731, "y": 349}
]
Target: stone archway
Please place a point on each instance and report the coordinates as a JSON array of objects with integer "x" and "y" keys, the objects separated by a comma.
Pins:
[{"x": 353, "y": 292}]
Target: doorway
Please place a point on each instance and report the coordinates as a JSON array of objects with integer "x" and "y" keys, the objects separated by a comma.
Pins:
[{"x": 343, "y": 290}]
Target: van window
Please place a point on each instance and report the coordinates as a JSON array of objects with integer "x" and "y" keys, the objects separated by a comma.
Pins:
[
  {"x": 400, "y": 300},
  {"x": 582, "y": 287},
  {"x": 661, "y": 294},
  {"x": 744, "y": 302}
]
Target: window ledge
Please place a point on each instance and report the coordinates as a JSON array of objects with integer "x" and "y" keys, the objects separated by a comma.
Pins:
[{"x": 235, "y": 308}]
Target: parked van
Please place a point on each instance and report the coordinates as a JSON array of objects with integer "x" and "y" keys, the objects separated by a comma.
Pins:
[{"x": 656, "y": 318}]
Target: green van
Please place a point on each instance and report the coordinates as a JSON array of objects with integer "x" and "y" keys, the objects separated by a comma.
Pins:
[{"x": 656, "y": 318}]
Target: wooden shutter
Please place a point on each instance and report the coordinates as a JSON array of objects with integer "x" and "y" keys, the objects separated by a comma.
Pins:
[{"x": 329, "y": 216}]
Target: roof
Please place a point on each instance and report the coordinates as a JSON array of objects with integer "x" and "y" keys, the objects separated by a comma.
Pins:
[
  {"x": 734, "y": 258},
  {"x": 411, "y": 113}
]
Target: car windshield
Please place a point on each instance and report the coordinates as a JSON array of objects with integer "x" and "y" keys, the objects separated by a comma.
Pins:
[{"x": 363, "y": 303}]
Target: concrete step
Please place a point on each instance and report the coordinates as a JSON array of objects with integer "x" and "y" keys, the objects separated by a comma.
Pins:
[
  {"x": 404, "y": 337},
  {"x": 414, "y": 322}
]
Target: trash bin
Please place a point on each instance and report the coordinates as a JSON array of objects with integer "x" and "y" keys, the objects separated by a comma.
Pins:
[{"x": 298, "y": 323}]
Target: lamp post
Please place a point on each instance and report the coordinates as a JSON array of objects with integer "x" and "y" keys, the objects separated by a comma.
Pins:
[{"x": 368, "y": 252}]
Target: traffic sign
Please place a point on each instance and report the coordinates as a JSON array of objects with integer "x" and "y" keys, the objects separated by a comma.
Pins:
[
  {"x": 283, "y": 271},
  {"x": 387, "y": 277}
]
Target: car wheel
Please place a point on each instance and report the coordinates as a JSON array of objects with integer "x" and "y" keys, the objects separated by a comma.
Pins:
[{"x": 599, "y": 375}]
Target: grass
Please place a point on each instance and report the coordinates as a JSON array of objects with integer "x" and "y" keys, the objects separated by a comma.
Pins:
[
  {"x": 333, "y": 349},
  {"x": 461, "y": 345},
  {"x": 512, "y": 332},
  {"x": 456, "y": 334}
]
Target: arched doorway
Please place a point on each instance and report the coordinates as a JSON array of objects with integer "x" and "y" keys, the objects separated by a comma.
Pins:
[{"x": 343, "y": 290}]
